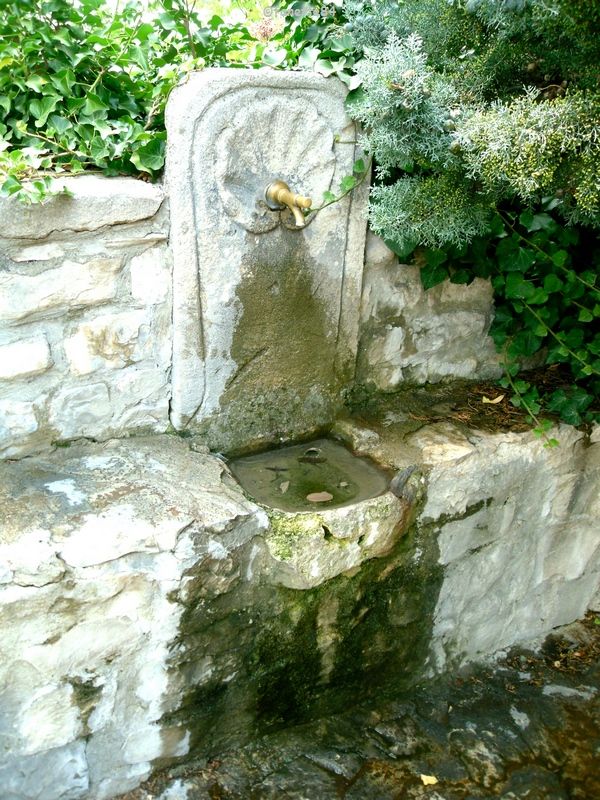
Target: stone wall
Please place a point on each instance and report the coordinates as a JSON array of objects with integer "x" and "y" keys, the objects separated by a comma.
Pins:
[
  {"x": 150, "y": 611},
  {"x": 417, "y": 336},
  {"x": 85, "y": 318},
  {"x": 85, "y": 314}
]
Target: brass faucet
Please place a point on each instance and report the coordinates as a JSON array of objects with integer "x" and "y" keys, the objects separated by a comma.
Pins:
[{"x": 279, "y": 195}]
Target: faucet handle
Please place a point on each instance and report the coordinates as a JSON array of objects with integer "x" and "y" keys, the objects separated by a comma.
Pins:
[{"x": 280, "y": 194}]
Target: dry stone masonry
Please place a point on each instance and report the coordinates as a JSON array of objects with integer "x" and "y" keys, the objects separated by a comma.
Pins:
[
  {"x": 417, "y": 336},
  {"x": 85, "y": 314}
]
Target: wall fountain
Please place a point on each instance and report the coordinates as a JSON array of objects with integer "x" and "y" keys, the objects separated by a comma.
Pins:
[
  {"x": 151, "y": 606},
  {"x": 266, "y": 312}
]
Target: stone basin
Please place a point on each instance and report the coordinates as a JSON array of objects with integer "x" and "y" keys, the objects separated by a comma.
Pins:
[
  {"x": 328, "y": 509},
  {"x": 303, "y": 477}
]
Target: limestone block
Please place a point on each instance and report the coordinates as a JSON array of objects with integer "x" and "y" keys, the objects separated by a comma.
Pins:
[
  {"x": 86, "y": 660},
  {"x": 72, "y": 285},
  {"x": 385, "y": 359},
  {"x": 509, "y": 501},
  {"x": 424, "y": 336},
  {"x": 515, "y": 525},
  {"x": 17, "y": 420},
  {"x": 141, "y": 397},
  {"x": 377, "y": 252},
  {"x": 49, "y": 719},
  {"x": 58, "y": 774},
  {"x": 110, "y": 341},
  {"x": 96, "y": 202},
  {"x": 38, "y": 252},
  {"x": 24, "y": 357},
  {"x": 32, "y": 559},
  {"x": 355, "y": 533},
  {"x": 81, "y": 411},
  {"x": 114, "y": 532},
  {"x": 151, "y": 276}
]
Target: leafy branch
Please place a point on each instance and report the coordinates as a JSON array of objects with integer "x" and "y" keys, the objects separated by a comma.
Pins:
[
  {"x": 527, "y": 398},
  {"x": 360, "y": 172}
]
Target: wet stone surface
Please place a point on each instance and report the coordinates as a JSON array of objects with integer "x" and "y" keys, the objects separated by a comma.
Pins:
[
  {"x": 528, "y": 727},
  {"x": 300, "y": 477}
]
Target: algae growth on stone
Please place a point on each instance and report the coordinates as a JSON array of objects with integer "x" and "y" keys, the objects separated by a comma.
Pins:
[{"x": 284, "y": 350}]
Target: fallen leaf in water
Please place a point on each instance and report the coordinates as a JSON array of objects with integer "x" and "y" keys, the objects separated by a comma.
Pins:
[
  {"x": 319, "y": 497},
  {"x": 428, "y": 780},
  {"x": 283, "y": 487},
  {"x": 495, "y": 401}
]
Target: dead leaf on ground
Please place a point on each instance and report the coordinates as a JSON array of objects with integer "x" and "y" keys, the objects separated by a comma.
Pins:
[
  {"x": 495, "y": 401},
  {"x": 428, "y": 780}
]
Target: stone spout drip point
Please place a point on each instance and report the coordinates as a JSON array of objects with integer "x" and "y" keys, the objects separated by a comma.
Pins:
[{"x": 279, "y": 195}]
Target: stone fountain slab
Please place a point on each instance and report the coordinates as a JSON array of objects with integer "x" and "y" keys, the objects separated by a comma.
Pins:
[{"x": 265, "y": 316}]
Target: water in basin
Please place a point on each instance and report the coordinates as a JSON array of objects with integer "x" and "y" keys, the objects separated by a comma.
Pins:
[{"x": 309, "y": 476}]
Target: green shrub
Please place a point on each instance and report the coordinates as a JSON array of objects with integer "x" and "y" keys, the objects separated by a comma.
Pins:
[{"x": 483, "y": 118}]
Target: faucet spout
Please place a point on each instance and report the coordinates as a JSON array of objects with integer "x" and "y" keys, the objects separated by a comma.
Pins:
[{"x": 279, "y": 195}]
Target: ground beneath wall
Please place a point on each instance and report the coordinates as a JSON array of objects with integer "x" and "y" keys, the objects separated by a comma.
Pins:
[{"x": 528, "y": 727}]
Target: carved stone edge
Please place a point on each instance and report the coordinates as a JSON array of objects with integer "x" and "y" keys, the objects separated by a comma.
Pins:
[{"x": 186, "y": 104}]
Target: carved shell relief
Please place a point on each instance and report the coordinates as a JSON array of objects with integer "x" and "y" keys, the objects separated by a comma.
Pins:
[{"x": 281, "y": 136}]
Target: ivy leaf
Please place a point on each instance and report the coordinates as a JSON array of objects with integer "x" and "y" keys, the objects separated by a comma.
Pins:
[
  {"x": 560, "y": 258},
  {"x": 585, "y": 315},
  {"x": 345, "y": 42},
  {"x": 274, "y": 57},
  {"x": 308, "y": 57},
  {"x": 347, "y": 183},
  {"x": 525, "y": 343},
  {"x": 325, "y": 67},
  {"x": 540, "y": 222},
  {"x": 434, "y": 257},
  {"x": 167, "y": 21},
  {"x": 570, "y": 404},
  {"x": 552, "y": 283},
  {"x": 63, "y": 81},
  {"x": 354, "y": 98},
  {"x": 41, "y": 108},
  {"x": 351, "y": 81},
  {"x": 36, "y": 82},
  {"x": 402, "y": 249},
  {"x": 328, "y": 197},
  {"x": 59, "y": 124},
  {"x": 461, "y": 276},
  {"x": 94, "y": 104},
  {"x": 150, "y": 157},
  {"x": 526, "y": 218},
  {"x": 10, "y": 186},
  {"x": 572, "y": 339},
  {"x": 539, "y": 297},
  {"x": 518, "y": 288},
  {"x": 432, "y": 274}
]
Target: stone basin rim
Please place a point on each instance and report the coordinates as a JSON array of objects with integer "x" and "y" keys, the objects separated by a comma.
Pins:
[{"x": 361, "y": 476}]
